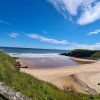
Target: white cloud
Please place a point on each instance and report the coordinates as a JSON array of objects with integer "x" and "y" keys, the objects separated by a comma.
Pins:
[
  {"x": 65, "y": 6},
  {"x": 94, "y": 32},
  {"x": 87, "y": 11},
  {"x": 95, "y": 46},
  {"x": 13, "y": 34},
  {"x": 91, "y": 14},
  {"x": 45, "y": 39},
  {"x": 4, "y": 22},
  {"x": 68, "y": 45},
  {"x": 64, "y": 44}
]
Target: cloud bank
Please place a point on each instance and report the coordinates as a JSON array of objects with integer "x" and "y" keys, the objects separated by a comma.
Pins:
[
  {"x": 86, "y": 11},
  {"x": 67, "y": 44},
  {"x": 63, "y": 44},
  {"x": 95, "y": 46},
  {"x": 48, "y": 40}
]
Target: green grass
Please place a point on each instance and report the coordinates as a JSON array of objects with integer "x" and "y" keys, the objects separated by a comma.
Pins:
[
  {"x": 96, "y": 55},
  {"x": 32, "y": 87}
]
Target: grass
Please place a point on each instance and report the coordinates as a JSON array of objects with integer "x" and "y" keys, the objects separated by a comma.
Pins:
[
  {"x": 32, "y": 87},
  {"x": 96, "y": 55}
]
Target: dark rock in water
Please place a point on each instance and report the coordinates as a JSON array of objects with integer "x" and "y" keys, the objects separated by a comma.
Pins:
[{"x": 64, "y": 54}]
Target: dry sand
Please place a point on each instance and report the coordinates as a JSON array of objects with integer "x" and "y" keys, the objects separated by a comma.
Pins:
[{"x": 82, "y": 78}]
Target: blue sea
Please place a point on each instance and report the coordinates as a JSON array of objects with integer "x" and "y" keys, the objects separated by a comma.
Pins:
[
  {"x": 40, "y": 58},
  {"x": 33, "y": 52}
]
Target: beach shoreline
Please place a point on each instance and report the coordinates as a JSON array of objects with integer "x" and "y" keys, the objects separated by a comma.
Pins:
[
  {"x": 83, "y": 61},
  {"x": 79, "y": 78}
]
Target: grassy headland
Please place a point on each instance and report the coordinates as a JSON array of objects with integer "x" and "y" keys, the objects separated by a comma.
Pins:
[
  {"x": 83, "y": 53},
  {"x": 96, "y": 55},
  {"x": 32, "y": 87}
]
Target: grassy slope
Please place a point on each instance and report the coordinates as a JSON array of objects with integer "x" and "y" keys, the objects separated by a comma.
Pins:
[
  {"x": 96, "y": 55},
  {"x": 32, "y": 87}
]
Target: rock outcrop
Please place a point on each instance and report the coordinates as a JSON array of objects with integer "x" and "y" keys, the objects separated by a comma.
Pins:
[{"x": 9, "y": 93}]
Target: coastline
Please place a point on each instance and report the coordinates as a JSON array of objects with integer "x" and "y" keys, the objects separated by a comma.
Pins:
[
  {"x": 82, "y": 78},
  {"x": 83, "y": 61}
]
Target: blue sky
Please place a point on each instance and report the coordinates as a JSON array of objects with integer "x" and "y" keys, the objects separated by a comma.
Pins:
[{"x": 54, "y": 24}]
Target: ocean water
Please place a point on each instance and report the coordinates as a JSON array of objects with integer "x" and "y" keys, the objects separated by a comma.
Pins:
[
  {"x": 32, "y": 52},
  {"x": 40, "y": 58}
]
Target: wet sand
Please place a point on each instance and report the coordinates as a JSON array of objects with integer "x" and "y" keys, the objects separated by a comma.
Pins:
[
  {"x": 79, "y": 78},
  {"x": 38, "y": 63},
  {"x": 82, "y": 61}
]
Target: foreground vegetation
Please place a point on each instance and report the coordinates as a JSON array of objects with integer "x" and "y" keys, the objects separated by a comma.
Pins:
[{"x": 32, "y": 87}]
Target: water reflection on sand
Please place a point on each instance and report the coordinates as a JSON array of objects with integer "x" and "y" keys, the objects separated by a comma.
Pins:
[{"x": 47, "y": 62}]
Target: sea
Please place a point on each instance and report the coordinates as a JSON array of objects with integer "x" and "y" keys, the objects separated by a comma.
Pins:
[
  {"x": 40, "y": 58},
  {"x": 32, "y": 52}
]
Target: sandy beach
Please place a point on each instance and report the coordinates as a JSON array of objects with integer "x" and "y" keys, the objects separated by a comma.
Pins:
[{"x": 82, "y": 78}]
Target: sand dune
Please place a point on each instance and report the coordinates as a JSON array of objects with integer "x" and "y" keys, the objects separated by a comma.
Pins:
[{"x": 82, "y": 78}]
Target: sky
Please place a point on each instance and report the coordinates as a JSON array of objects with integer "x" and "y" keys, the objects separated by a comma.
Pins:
[{"x": 50, "y": 24}]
